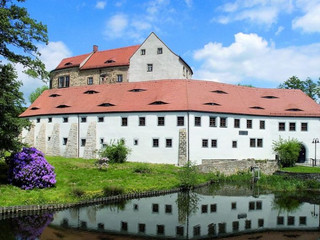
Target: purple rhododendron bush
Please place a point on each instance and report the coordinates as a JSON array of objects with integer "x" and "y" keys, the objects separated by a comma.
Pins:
[{"x": 29, "y": 169}]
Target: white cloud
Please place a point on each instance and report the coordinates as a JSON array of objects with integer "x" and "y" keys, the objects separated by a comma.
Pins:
[
  {"x": 280, "y": 29},
  {"x": 51, "y": 55},
  {"x": 264, "y": 12},
  {"x": 310, "y": 21},
  {"x": 188, "y": 2},
  {"x": 251, "y": 57},
  {"x": 116, "y": 26},
  {"x": 101, "y": 4}
]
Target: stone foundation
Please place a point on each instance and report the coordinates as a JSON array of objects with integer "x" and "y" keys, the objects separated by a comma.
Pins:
[
  {"x": 232, "y": 166},
  {"x": 182, "y": 158},
  {"x": 91, "y": 146}
]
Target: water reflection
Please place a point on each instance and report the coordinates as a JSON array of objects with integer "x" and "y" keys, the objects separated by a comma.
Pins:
[{"x": 230, "y": 212}]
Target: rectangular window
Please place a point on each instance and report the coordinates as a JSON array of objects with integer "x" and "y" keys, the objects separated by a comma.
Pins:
[
  {"x": 197, "y": 121},
  {"x": 234, "y": 144},
  {"x": 168, "y": 142},
  {"x": 282, "y": 126},
  {"x": 65, "y": 120},
  {"x": 252, "y": 206},
  {"x": 142, "y": 121},
  {"x": 211, "y": 229},
  {"x": 262, "y": 124},
  {"x": 303, "y": 220},
  {"x": 124, "y": 226},
  {"x": 235, "y": 226},
  {"x": 135, "y": 142},
  {"x": 149, "y": 67},
  {"x": 155, "y": 207},
  {"x": 280, "y": 220},
  {"x": 212, "y": 122},
  {"x": 155, "y": 142},
  {"x": 223, "y": 122},
  {"x": 213, "y": 207},
  {"x": 60, "y": 82},
  {"x": 233, "y": 205},
  {"x": 168, "y": 208},
  {"x": 160, "y": 229},
  {"x": 180, "y": 121},
  {"x": 49, "y": 138},
  {"x": 143, "y": 52},
  {"x": 83, "y": 119},
  {"x": 119, "y": 78},
  {"x": 249, "y": 123},
  {"x": 50, "y": 119},
  {"x": 214, "y": 143},
  {"x": 236, "y": 123},
  {"x": 90, "y": 80},
  {"x": 222, "y": 228},
  {"x": 65, "y": 141},
  {"x": 101, "y": 140},
  {"x": 260, "y": 142},
  {"x": 160, "y": 121},
  {"x": 38, "y": 120},
  {"x": 83, "y": 142},
  {"x": 180, "y": 231},
  {"x": 290, "y": 220},
  {"x": 159, "y": 51},
  {"x": 205, "y": 143},
  {"x": 248, "y": 224},
  {"x": 100, "y": 119},
  {"x": 259, "y": 205},
  {"x": 196, "y": 230},
  {"x": 63, "y": 81},
  {"x": 252, "y": 142},
  {"x": 142, "y": 227},
  {"x": 304, "y": 127},
  {"x": 204, "y": 208},
  {"x": 67, "y": 83},
  {"x": 260, "y": 222},
  {"x": 292, "y": 126},
  {"x": 124, "y": 121}
]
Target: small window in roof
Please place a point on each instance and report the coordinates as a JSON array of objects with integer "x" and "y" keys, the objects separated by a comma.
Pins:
[
  {"x": 34, "y": 108},
  {"x": 54, "y": 95},
  {"x": 106, "y": 104},
  {"x": 137, "y": 90},
  {"x": 212, "y": 104},
  {"x": 294, "y": 109},
  {"x": 63, "y": 106},
  {"x": 68, "y": 64},
  {"x": 90, "y": 92},
  {"x": 256, "y": 107},
  {"x": 110, "y": 61},
  {"x": 269, "y": 97},
  {"x": 158, "y": 103},
  {"x": 219, "y": 92}
]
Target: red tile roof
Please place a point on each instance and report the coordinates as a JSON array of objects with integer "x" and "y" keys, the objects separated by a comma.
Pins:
[
  {"x": 179, "y": 95},
  {"x": 99, "y": 59}
]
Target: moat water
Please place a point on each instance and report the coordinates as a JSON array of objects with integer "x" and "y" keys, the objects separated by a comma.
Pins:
[{"x": 214, "y": 212}]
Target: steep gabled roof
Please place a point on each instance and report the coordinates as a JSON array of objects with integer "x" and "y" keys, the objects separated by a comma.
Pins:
[
  {"x": 99, "y": 59},
  {"x": 174, "y": 95}
]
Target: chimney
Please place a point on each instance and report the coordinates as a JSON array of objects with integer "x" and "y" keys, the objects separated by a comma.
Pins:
[{"x": 95, "y": 48}]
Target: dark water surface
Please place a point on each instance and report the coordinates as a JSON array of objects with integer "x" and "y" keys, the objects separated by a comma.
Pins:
[{"x": 227, "y": 212}]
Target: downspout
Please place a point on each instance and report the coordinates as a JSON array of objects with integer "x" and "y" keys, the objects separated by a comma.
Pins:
[{"x": 78, "y": 148}]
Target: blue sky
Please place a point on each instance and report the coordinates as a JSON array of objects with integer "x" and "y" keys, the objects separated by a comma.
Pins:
[{"x": 258, "y": 42}]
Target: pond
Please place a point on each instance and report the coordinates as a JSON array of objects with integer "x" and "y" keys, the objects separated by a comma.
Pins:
[{"x": 228, "y": 212}]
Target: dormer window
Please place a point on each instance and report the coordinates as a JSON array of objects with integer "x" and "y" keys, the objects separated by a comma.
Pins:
[
  {"x": 68, "y": 64},
  {"x": 143, "y": 52},
  {"x": 219, "y": 92},
  {"x": 256, "y": 107},
  {"x": 34, "y": 108},
  {"x": 110, "y": 61},
  {"x": 63, "y": 106},
  {"x": 106, "y": 104},
  {"x": 137, "y": 90},
  {"x": 159, "y": 51},
  {"x": 212, "y": 104},
  {"x": 269, "y": 97},
  {"x": 294, "y": 109},
  {"x": 54, "y": 95},
  {"x": 90, "y": 92},
  {"x": 158, "y": 103}
]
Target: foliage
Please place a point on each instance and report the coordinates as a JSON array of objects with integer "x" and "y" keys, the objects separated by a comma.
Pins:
[
  {"x": 309, "y": 87},
  {"x": 29, "y": 169},
  {"x": 287, "y": 151},
  {"x": 37, "y": 92},
  {"x": 142, "y": 168},
  {"x": 112, "y": 191},
  {"x": 11, "y": 101},
  {"x": 286, "y": 202},
  {"x": 102, "y": 163},
  {"x": 77, "y": 192},
  {"x": 302, "y": 169},
  {"x": 188, "y": 175},
  {"x": 187, "y": 203},
  {"x": 116, "y": 152},
  {"x": 20, "y": 31}
]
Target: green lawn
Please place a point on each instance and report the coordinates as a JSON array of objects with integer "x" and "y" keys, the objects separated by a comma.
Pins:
[
  {"x": 76, "y": 176},
  {"x": 302, "y": 169}
]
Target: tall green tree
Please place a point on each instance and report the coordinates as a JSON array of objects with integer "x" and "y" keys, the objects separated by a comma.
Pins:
[
  {"x": 18, "y": 30},
  {"x": 308, "y": 86},
  {"x": 11, "y": 106},
  {"x": 37, "y": 92}
]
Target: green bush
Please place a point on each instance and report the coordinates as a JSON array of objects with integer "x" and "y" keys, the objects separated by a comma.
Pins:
[
  {"x": 287, "y": 151},
  {"x": 116, "y": 152},
  {"x": 112, "y": 191},
  {"x": 188, "y": 175}
]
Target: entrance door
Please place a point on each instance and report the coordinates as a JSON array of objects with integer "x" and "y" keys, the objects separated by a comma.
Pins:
[{"x": 302, "y": 154}]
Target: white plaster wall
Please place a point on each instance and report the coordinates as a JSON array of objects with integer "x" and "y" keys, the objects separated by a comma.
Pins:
[{"x": 165, "y": 66}]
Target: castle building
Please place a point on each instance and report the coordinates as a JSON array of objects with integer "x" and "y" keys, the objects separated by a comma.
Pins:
[{"x": 163, "y": 116}]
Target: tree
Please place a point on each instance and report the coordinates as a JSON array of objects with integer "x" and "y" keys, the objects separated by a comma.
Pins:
[
  {"x": 11, "y": 101},
  {"x": 37, "y": 92},
  {"x": 309, "y": 87},
  {"x": 288, "y": 151},
  {"x": 18, "y": 30}
]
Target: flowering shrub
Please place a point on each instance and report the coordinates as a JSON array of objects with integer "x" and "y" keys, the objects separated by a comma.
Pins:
[
  {"x": 29, "y": 169},
  {"x": 102, "y": 163}
]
